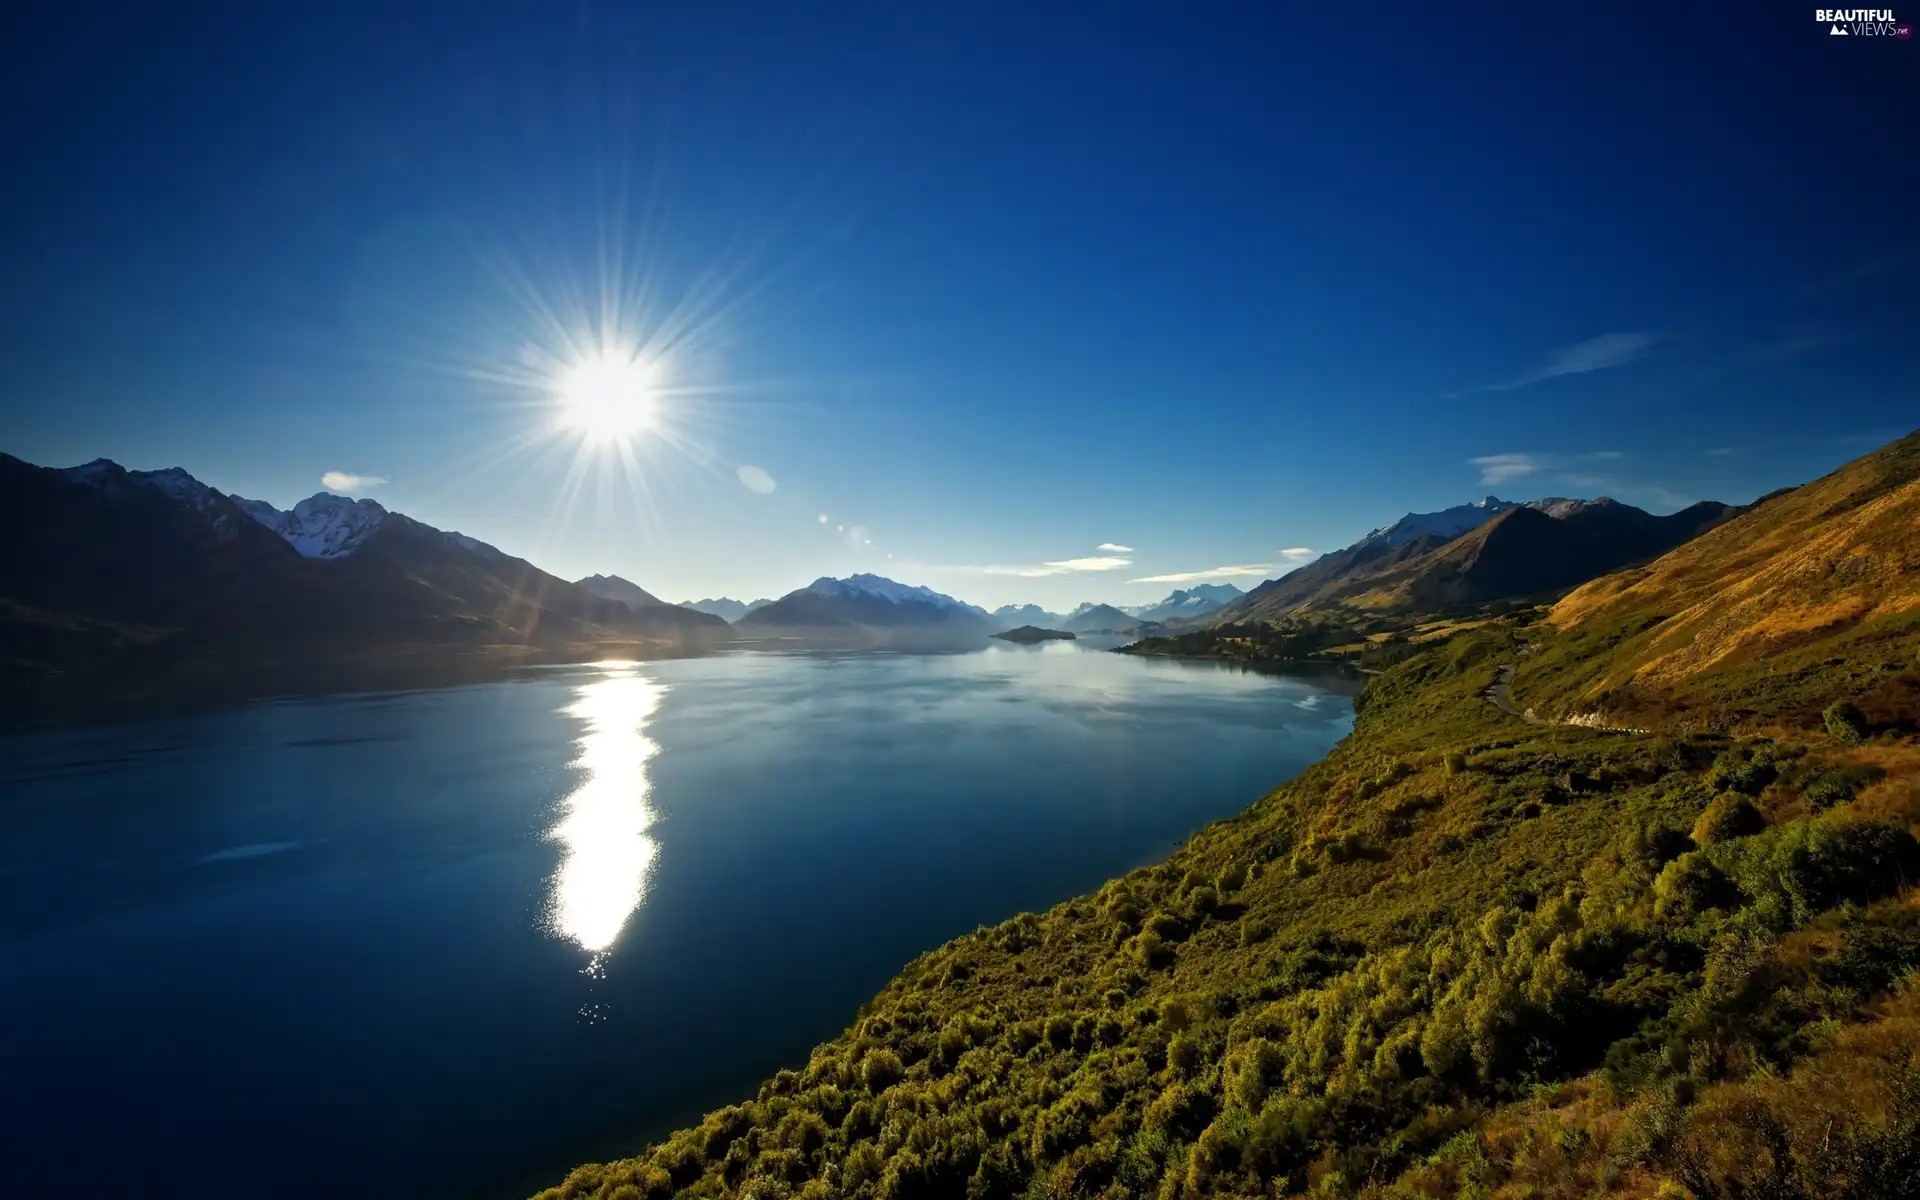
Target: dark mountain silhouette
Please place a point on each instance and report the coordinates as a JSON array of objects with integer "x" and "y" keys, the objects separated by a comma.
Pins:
[
  {"x": 627, "y": 592},
  {"x": 1526, "y": 551},
  {"x": 122, "y": 582}
]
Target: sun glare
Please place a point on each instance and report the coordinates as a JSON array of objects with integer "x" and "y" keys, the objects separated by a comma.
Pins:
[{"x": 608, "y": 397}]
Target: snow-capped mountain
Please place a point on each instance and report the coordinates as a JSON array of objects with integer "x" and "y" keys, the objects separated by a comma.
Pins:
[
  {"x": 1450, "y": 523},
  {"x": 173, "y": 483},
  {"x": 1196, "y": 601},
  {"x": 724, "y": 607},
  {"x": 1099, "y": 618},
  {"x": 240, "y": 578},
  {"x": 886, "y": 589},
  {"x": 866, "y": 600},
  {"x": 1446, "y": 524},
  {"x": 1012, "y": 616},
  {"x": 321, "y": 526}
]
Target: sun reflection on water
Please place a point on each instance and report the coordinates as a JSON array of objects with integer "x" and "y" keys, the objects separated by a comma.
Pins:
[{"x": 603, "y": 823}]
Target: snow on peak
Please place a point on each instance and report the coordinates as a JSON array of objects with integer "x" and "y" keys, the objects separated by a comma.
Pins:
[
  {"x": 174, "y": 483},
  {"x": 321, "y": 526},
  {"x": 1448, "y": 523},
  {"x": 109, "y": 476},
  {"x": 883, "y": 588}
]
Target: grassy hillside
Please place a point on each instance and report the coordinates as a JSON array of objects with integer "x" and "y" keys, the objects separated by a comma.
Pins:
[
  {"x": 1463, "y": 956},
  {"x": 1806, "y": 599}
]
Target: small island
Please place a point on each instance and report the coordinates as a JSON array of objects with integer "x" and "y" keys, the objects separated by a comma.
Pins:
[{"x": 1027, "y": 635}]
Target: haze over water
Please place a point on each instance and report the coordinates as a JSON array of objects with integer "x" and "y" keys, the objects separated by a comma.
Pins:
[{"x": 388, "y": 944}]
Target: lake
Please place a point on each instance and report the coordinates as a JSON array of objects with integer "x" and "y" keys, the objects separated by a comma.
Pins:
[{"x": 447, "y": 943}]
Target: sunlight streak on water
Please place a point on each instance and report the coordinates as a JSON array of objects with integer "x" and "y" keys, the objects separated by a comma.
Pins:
[{"x": 602, "y": 878}]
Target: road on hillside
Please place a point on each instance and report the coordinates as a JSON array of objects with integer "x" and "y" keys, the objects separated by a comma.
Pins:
[{"x": 1501, "y": 693}]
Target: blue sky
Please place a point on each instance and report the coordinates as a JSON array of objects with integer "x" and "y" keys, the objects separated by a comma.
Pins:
[{"x": 989, "y": 290}]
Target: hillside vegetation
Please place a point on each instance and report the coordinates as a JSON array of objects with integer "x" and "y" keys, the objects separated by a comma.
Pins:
[
  {"x": 1464, "y": 955},
  {"x": 1762, "y": 621}
]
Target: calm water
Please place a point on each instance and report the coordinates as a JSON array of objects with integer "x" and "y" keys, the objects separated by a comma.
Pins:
[{"x": 446, "y": 943}]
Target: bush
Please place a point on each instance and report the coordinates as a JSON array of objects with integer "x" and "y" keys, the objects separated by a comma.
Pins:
[
  {"x": 1730, "y": 816},
  {"x": 1151, "y": 950},
  {"x": 1456, "y": 763},
  {"x": 1690, "y": 884},
  {"x": 1805, "y": 868},
  {"x": 880, "y": 1070},
  {"x": 1845, "y": 722},
  {"x": 1183, "y": 1054}
]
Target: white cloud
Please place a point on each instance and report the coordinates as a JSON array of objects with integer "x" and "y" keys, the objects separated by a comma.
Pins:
[
  {"x": 756, "y": 480},
  {"x": 1296, "y": 553},
  {"x": 1595, "y": 354},
  {"x": 1498, "y": 469},
  {"x": 1112, "y": 548},
  {"x": 1505, "y": 468},
  {"x": 1210, "y": 573},
  {"x": 1065, "y": 566},
  {"x": 823, "y": 518},
  {"x": 347, "y": 481}
]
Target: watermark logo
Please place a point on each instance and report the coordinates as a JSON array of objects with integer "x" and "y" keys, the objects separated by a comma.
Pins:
[{"x": 1862, "y": 22}]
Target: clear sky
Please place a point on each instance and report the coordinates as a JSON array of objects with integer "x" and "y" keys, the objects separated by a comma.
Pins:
[{"x": 956, "y": 295}]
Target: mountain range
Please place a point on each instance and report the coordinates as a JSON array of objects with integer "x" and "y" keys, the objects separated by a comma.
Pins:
[
  {"x": 1011, "y": 616},
  {"x": 1196, "y": 601},
  {"x": 724, "y": 608},
  {"x": 1474, "y": 554},
  {"x": 155, "y": 575},
  {"x": 151, "y": 581},
  {"x": 866, "y": 602},
  {"x": 1099, "y": 618}
]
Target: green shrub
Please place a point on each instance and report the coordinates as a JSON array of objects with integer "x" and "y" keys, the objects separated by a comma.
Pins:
[
  {"x": 1690, "y": 884},
  {"x": 1183, "y": 1054},
  {"x": 1845, "y": 722},
  {"x": 1839, "y": 785},
  {"x": 1151, "y": 950},
  {"x": 1729, "y": 816},
  {"x": 880, "y": 1070},
  {"x": 1456, "y": 763},
  {"x": 1796, "y": 871}
]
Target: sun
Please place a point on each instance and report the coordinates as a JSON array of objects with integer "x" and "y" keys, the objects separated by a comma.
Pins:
[{"x": 610, "y": 396}]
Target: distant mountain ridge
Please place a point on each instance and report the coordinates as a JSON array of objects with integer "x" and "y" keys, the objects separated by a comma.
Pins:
[
  {"x": 613, "y": 587},
  {"x": 725, "y": 608},
  {"x": 1507, "y": 551},
  {"x": 1099, "y": 618},
  {"x": 1196, "y": 601},
  {"x": 867, "y": 601},
  {"x": 1010, "y": 616}
]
